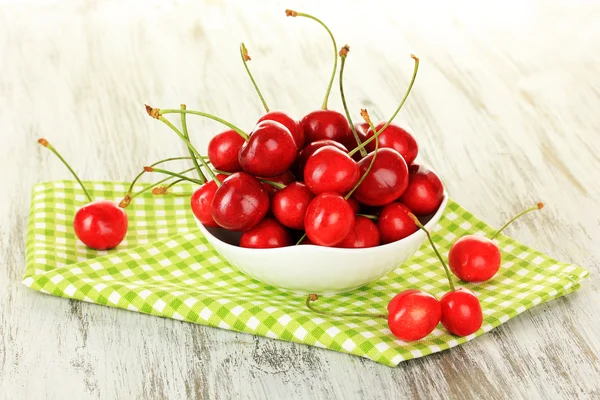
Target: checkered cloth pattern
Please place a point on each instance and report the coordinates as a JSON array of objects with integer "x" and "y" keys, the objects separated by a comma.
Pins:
[{"x": 165, "y": 267}]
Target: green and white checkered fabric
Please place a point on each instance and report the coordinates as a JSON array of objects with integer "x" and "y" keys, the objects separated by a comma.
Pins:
[{"x": 166, "y": 267}]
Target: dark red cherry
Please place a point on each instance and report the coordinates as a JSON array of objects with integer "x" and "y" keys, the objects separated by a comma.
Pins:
[
  {"x": 285, "y": 178},
  {"x": 397, "y": 138},
  {"x": 386, "y": 181},
  {"x": 101, "y": 224},
  {"x": 240, "y": 203},
  {"x": 223, "y": 150},
  {"x": 329, "y": 169},
  {"x": 394, "y": 223},
  {"x": 308, "y": 151},
  {"x": 289, "y": 205},
  {"x": 363, "y": 234},
  {"x": 327, "y": 124},
  {"x": 329, "y": 219},
  {"x": 202, "y": 199},
  {"x": 361, "y": 131},
  {"x": 293, "y": 125},
  {"x": 354, "y": 204},
  {"x": 424, "y": 192},
  {"x": 267, "y": 234},
  {"x": 270, "y": 150}
]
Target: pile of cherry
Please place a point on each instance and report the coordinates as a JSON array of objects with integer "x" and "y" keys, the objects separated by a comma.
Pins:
[{"x": 322, "y": 180}]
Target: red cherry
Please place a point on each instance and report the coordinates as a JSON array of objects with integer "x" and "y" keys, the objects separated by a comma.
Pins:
[
  {"x": 386, "y": 181},
  {"x": 267, "y": 234},
  {"x": 363, "y": 234},
  {"x": 308, "y": 151},
  {"x": 101, "y": 224},
  {"x": 354, "y": 204},
  {"x": 289, "y": 205},
  {"x": 461, "y": 312},
  {"x": 397, "y": 138},
  {"x": 329, "y": 169},
  {"x": 285, "y": 178},
  {"x": 240, "y": 202},
  {"x": 270, "y": 150},
  {"x": 413, "y": 315},
  {"x": 474, "y": 258},
  {"x": 223, "y": 150},
  {"x": 361, "y": 131},
  {"x": 394, "y": 223},
  {"x": 361, "y": 128},
  {"x": 424, "y": 192},
  {"x": 327, "y": 124},
  {"x": 293, "y": 125},
  {"x": 202, "y": 199},
  {"x": 329, "y": 219}
]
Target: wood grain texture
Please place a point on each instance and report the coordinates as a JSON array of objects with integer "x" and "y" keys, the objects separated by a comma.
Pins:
[{"x": 505, "y": 107}]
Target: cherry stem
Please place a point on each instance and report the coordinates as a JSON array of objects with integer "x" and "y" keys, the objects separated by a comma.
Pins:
[
  {"x": 291, "y": 13},
  {"x": 313, "y": 297},
  {"x": 130, "y": 196},
  {"x": 187, "y": 136},
  {"x": 373, "y": 217},
  {"x": 209, "y": 116},
  {"x": 539, "y": 206},
  {"x": 420, "y": 225},
  {"x": 245, "y": 59},
  {"x": 278, "y": 185},
  {"x": 343, "y": 54},
  {"x": 412, "y": 81},
  {"x": 173, "y": 174},
  {"x": 47, "y": 145},
  {"x": 301, "y": 239},
  {"x": 367, "y": 119}
]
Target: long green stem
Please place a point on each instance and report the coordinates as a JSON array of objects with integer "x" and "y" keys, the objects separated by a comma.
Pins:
[
  {"x": 539, "y": 206},
  {"x": 187, "y": 136},
  {"x": 173, "y": 174},
  {"x": 209, "y": 116},
  {"x": 245, "y": 59},
  {"x": 278, "y": 185},
  {"x": 314, "y": 297},
  {"x": 372, "y": 217},
  {"x": 343, "y": 54},
  {"x": 365, "y": 116},
  {"x": 47, "y": 145},
  {"x": 291, "y": 13},
  {"x": 301, "y": 239},
  {"x": 412, "y": 81},
  {"x": 420, "y": 225},
  {"x": 130, "y": 196}
]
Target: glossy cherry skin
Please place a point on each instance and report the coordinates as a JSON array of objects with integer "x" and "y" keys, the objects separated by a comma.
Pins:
[
  {"x": 329, "y": 169},
  {"x": 474, "y": 258},
  {"x": 240, "y": 203},
  {"x": 308, "y": 151},
  {"x": 328, "y": 220},
  {"x": 289, "y": 205},
  {"x": 267, "y": 234},
  {"x": 461, "y": 312},
  {"x": 364, "y": 234},
  {"x": 223, "y": 150},
  {"x": 413, "y": 315},
  {"x": 202, "y": 199},
  {"x": 293, "y": 125},
  {"x": 397, "y": 138},
  {"x": 424, "y": 192},
  {"x": 354, "y": 204},
  {"x": 327, "y": 124},
  {"x": 270, "y": 150},
  {"x": 386, "y": 181},
  {"x": 394, "y": 223},
  {"x": 101, "y": 224},
  {"x": 285, "y": 178}
]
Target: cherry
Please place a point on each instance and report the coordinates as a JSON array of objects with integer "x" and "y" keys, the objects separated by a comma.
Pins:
[
  {"x": 266, "y": 235},
  {"x": 328, "y": 220},
  {"x": 424, "y": 192},
  {"x": 386, "y": 181},
  {"x": 285, "y": 178},
  {"x": 201, "y": 202},
  {"x": 99, "y": 224},
  {"x": 270, "y": 151},
  {"x": 394, "y": 223},
  {"x": 329, "y": 169},
  {"x": 240, "y": 203},
  {"x": 361, "y": 128},
  {"x": 461, "y": 312},
  {"x": 354, "y": 204},
  {"x": 397, "y": 138},
  {"x": 223, "y": 150},
  {"x": 363, "y": 234},
  {"x": 289, "y": 205},
  {"x": 327, "y": 124},
  {"x": 475, "y": 258},
  {"x": 413, "y": 314},
  {"x": 309, "y": 150}
]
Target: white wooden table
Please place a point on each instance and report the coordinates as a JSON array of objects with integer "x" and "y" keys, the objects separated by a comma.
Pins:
[{"x": 505, "y": 107}]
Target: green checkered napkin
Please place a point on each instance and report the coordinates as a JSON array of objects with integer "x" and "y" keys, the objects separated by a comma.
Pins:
[{"x": 166, "y": 267}]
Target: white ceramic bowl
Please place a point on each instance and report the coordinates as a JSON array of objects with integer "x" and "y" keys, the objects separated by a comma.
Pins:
[{"x": 315, "y": 269}]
